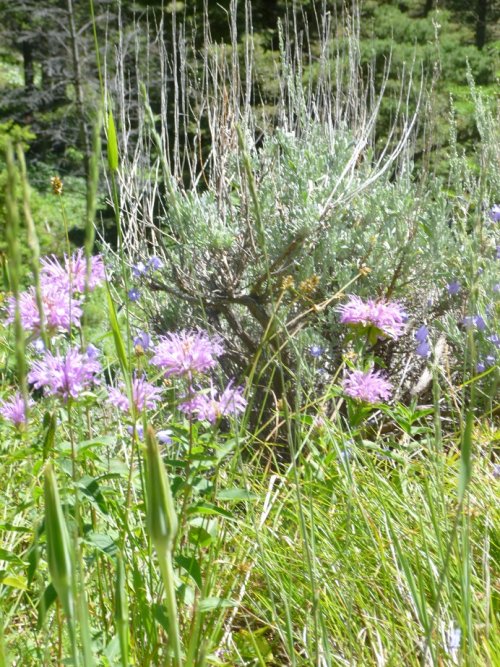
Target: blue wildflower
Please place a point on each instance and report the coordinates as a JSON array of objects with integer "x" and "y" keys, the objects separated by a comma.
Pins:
[
  {"x": 139, "y": 429},
  {"x": 92, "y": 351},
  {"x": 494, "y": 213},
  {"x": 39, "y": 346},
  {"x": 423, "y": 349},
  {"x": 155, "y": 264},
  {"x": 139, "y": 270},
  {"x": 134, "y": 294},
  {"x": 453, "y": 288},
  {"x": 495, "y": 339},
  {"x": 421, "y": 334},
  {"x": 164, "y": 436},
  {"x": 143, "y": 339},
  {"x": 474, "y": 321},
  {"x": 316, "y": 351}
]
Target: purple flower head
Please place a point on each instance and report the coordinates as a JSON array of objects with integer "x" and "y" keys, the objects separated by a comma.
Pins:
[
  {"x": 209, "y": 406},
  {"x": 187, "y": 352},
  {"x": 480, "y": 367},
  {"x": 386, "y": 316},
  {"x": 164, "y": 436},
  {"x": 60, "y": 310},
  {"x": 421, "y": 334},
  {"x": 494, "y": 213},
  {"x": 93, "y": 352},
  {"x": 498, "y": 252},
  {"x": 496, "y": 288},
  {"x": 14, "y": 409},
  {"x": 369, "y": 387},
  {"x": 139, "y": 429},
  {"x": 453, "y": 641},
  {"x": 134, "y": 294},
  {"x": 423, "y": 349},
  {"x": 73, "y": 275},
  {"x": 477, "y": 321},
  {"x": 143, "y": 340},
  {"x": 155, "y": 263},
  {"x": 495, "y": 339},
  {"x": 316, "y": 351},
  {"x": 38, "y": 346},
  {"x": 139, "y": 270},
  {"x": 64, "y": 376},
  {"x": 144, "y": 395},
  {"x": 453, "y": 288}
]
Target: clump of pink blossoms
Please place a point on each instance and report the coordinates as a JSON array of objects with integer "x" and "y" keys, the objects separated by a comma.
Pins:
[
  {"x": 369, "y": 387},
  {"x": 65, "y": 376},
  {"x": 14, "y": 409},
  {"x": 60, "y": 309},
  {"x": 187, "y": 353},
  {"x": 144, "y": 395},
  {"x": 209, "y": 406},
  {"x": 73, "y": 275},
  {"x": 388, "y": 317}
]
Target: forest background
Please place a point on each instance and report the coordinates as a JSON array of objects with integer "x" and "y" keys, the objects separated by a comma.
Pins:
[{"x": 50, "y": 89}]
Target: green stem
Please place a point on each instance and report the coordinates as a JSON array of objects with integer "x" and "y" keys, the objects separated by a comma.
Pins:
[{"x": 167, "y": 573}]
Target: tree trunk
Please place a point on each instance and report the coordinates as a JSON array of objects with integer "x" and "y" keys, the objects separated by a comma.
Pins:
[
  {"x": 481, "y": 13},
  {"x": 29, "y": 74}
]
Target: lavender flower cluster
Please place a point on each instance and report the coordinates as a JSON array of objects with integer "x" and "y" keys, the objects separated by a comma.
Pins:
[
  {"x": 67, "y": 376},
  {"x": 61, "y": 288},
  {"x": 387, "y": 318},
  {"x": 378, "y": 320},
  {"x": 190, "y": 355}
]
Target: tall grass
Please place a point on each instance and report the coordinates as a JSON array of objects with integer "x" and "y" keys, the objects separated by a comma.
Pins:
[{"x": 311, "y": 530}]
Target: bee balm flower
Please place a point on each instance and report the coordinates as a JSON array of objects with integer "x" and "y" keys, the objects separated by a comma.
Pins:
[
  {"x": 369, "y": 387},
  {"x": 386, "y": 316},
  {"x": 64, "y": 376},
  {"x": 73, "y": 275},
  {"x": 14, "y": 409},
  {"x": 144, "y": 395},
  {"x": 187, "y": 352}
]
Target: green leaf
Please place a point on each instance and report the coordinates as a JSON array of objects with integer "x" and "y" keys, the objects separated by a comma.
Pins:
[
  {"x": 209, "y": 604},
  {"x": 49, "y": 425},
  {"x": 236, "y": 495},
  {"x": 192, "y": 567},
  {"x": 117, "y": 335},
  {"x": 210, "y": 509},
  {"x": 160, "y": 615},
  {"x": 10, "y": 557},
  {"x": 104, "y": 543},
  {"x": 46, "y": 601},
  {"x": 15, "y": 581},
  {"x": 112, "y": 144}
]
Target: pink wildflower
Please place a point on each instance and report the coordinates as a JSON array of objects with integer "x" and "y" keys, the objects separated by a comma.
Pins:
[
  {"x": 209, "y": 406},
  {"x": 60, "y": 310},
  {"x": 369, "y": 387},
  {"x": 386, "y": 316},
  {"x": 74, "y": 272},
  {"x": 144, "y": 395},
  {"x": 14, "y": 409},
  {"x": 187, "y": 352},
  {"x": 64, "y": 376}
]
